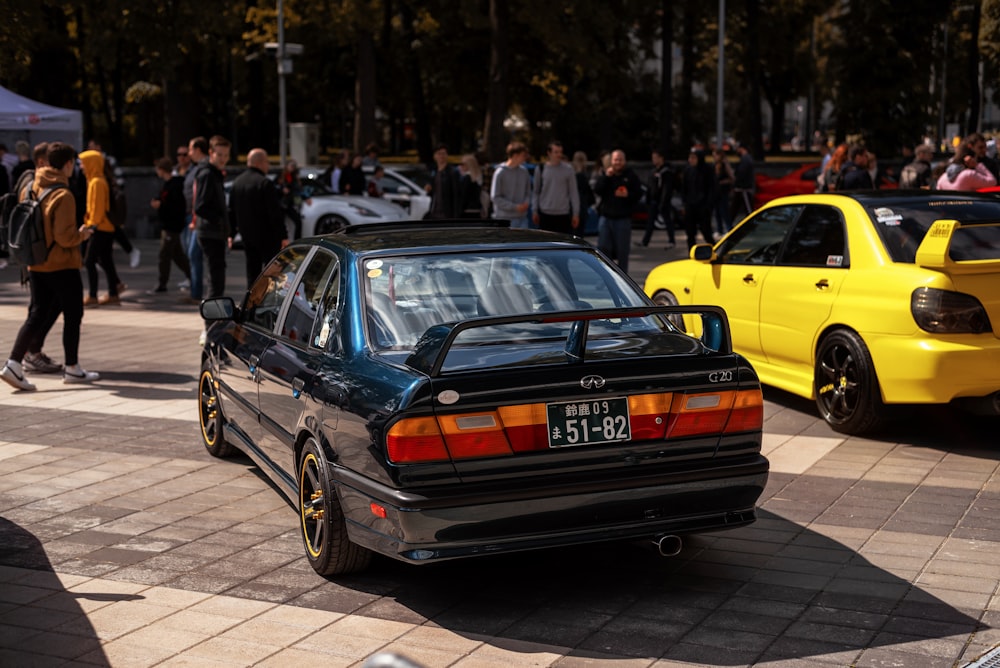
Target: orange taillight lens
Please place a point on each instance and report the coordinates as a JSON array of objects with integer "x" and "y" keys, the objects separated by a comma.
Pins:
[
  {"x": 416, "y": 440},
  {"x": 470, "y": 435},
  {"x": 748, "y": 411},
  {"x": 701, "y": 414},
  {"x": 648, "y": 415},
  {"x": 525, "y": 426}
]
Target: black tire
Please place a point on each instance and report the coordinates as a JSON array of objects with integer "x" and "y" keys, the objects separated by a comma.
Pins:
[
  {"x": 210, "y": 417},
  {"x": 667, "y": 298},
  {"x": 845, "y": 384},
  {"x": 330, "y": 224},
  {"x": 324, "y": 531}
]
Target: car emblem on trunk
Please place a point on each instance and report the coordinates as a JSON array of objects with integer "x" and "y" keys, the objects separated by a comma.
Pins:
[{"x": 591, "y": 382}]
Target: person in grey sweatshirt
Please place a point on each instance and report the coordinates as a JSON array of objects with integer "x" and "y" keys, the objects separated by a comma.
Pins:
[
  {"x": 511, "y": 188},
  {"x": 555, "y": 199}
]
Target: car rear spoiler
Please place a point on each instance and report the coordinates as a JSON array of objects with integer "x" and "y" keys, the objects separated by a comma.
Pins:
[
  {"x": 431, "y": 350},
  {"x": 933, "y": 252}
]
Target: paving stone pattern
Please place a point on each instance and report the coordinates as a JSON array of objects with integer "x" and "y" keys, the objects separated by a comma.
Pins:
[{"x": 122, "y": 543}]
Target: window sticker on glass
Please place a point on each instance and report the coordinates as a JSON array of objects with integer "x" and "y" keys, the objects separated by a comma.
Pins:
[
  {"x": 887, "y": 216},
  {"x": 834, "y": 260},
  {"x": 373, "y": 264}
]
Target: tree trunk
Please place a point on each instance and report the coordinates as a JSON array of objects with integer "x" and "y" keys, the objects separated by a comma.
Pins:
[
  {"x": 496, "y": 101},
  {"x": 666, "y": 76},
  {"x": 364, "y": 92},
  {"x": 414, "y": 75},
  {"x": 753, "y": 72},
  {"x": 687, "y": 74},
  {"x": 975, "y": 92}
]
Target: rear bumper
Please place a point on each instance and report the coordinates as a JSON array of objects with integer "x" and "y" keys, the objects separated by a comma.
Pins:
[
  {"x": 421, "y": 529},
  {"x": 922, "y": 370}
]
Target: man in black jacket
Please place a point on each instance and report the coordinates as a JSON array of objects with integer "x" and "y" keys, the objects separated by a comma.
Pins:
[
  {"x": 212, "y": 214},
  {"x": 618, "y": 189},
  {"x": 170, "y": 211},
  {"x": 255, "y": 212}
]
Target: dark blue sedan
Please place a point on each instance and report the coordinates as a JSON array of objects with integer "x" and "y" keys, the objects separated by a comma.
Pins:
[{"x": 431, "y": 390}]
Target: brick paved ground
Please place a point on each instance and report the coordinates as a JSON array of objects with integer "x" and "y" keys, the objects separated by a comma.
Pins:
[{"x": 123, "y": 543}]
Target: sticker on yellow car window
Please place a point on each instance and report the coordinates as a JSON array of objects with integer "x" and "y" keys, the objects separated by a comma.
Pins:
[
  {"x": 887, "y": 216},
  {"x": 834, "y": 260}
]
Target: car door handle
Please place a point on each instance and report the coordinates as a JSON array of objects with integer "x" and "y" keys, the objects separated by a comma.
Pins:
[
  {"x": 822, "y": 284},
  {"x": 749, "y": 279},
  {"x": 297, "y": 385}
]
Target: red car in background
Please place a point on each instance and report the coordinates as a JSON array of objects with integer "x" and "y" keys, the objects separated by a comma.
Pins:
[
  {"x": 801, "y": 181},
  {"x": 798, "y": 182}
]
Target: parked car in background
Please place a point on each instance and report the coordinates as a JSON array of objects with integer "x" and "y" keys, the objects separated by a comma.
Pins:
[
  {"x": 323, "y": 212},
  {"x": 799, "y": 181},
  {"x": 403, "y": 185},
  {"x": 454, "y": 389},
  {"x": 859, "y": 300}
]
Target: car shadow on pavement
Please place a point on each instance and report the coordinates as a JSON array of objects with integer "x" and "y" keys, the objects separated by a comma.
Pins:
[
  {"x": 932, "y": 426},
  {"x": 774, "y": 590},
  {"x": 41, "y": 623}
]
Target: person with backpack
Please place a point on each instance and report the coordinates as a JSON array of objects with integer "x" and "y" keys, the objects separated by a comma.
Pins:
[
  {"x": 54, "y": 280},
  {"x": 917, "y": 174},
  {"x": 35, "y": 360},
  {"x": 100, "y": 249}
]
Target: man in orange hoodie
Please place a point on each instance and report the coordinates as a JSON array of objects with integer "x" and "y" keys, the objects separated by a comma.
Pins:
[
  {"x": 55, "y": 283},
  {"x": 100, "y": 250}
]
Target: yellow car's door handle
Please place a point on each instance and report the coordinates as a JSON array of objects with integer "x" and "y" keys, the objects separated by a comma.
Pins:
[
  {"x": 822, "y": 284},
  {"x": 749, "y": 279}
]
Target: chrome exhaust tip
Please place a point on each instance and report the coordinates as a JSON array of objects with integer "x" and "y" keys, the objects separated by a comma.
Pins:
[{"x": 668, "y": 545}]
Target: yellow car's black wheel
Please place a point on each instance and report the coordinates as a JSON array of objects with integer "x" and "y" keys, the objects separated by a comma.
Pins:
[
  {"x": 210, "y": 416},
  {"x": 324, "y": 532},
  {"x": 846, "y": 387}
]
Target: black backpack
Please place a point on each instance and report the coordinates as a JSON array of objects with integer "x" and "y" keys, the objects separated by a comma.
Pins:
[{"x": 25, "y": 229}]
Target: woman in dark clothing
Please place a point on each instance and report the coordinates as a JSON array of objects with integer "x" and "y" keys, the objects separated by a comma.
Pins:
[
  {"x": 352, "y": 178},
  {"x": 697, "y": 187}
]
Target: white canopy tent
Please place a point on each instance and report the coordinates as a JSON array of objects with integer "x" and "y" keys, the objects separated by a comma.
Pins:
[{"x": 22, "y": 118}]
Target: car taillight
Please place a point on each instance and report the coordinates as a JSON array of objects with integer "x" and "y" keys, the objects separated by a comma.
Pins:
[
  {"x": 717, "y": 412},
  {"x": 416, "y": 440},
  {"x": 947, "y": 312},
  {"x": 524, "y": 427}
]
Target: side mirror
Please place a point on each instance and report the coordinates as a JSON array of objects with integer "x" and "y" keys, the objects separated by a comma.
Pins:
[
  {"x": 702, "y": 253},
  {"x": 403, "y": 190},
  {"x": 219, "y": 308}
]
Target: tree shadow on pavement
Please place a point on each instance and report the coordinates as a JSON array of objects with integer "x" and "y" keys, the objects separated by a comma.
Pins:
[{"x": 41, "y": 623}]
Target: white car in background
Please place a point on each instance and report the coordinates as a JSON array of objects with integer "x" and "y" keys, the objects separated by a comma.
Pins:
[
  {"x": 403, "y": 185},
  {"x": 324, "y": 212}
]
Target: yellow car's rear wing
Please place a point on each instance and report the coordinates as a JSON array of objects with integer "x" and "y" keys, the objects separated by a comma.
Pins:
[{"x": 933, "y": 252}]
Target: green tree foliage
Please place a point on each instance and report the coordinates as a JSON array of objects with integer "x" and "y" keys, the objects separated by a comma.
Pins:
[{"x": 413, "y": 73}]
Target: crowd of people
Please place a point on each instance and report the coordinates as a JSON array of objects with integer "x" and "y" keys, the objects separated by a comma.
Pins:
[{"x": 197, "y": 223}]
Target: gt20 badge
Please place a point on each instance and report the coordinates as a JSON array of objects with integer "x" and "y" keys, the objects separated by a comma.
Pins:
[{"x": 720, "y": 377}]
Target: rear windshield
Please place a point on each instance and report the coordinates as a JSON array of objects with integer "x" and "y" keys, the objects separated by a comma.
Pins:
[
  {"x": 408, "y": 295},
  {"x": 902, "y": 224}
]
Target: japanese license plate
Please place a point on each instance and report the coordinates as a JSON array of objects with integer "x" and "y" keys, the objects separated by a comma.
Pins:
[{"x": 588, "y": 422}]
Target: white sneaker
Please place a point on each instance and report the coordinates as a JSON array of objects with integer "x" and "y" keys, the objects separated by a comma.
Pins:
[
  {"x": 133, "y": 258},
  {"x": 184, "y": 285},
  {"x": 13, "y": 375},
  {"x": 79, "y": 375}
]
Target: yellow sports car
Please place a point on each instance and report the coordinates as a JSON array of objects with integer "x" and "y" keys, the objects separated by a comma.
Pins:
[{"x": 859, "y": 300}]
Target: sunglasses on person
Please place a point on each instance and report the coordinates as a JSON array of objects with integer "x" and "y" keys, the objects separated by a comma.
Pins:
[{"x": 182, "y": 155}]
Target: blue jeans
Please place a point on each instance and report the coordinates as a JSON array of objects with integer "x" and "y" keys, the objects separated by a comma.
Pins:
[
  {"x": 197, "y": 265},
  {"x": 614, "y": 239},
  {"x": 523, "y": 223}
]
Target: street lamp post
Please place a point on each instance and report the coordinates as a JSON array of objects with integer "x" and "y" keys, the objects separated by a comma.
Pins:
[
  {"x": 721, "y": 78},
  {"x": 283, "y": 53}
]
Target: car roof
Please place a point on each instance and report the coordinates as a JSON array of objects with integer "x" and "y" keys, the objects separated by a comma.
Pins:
[
  {"x": 892, "y": 196},
  {"x": 444, "y": 236}
]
